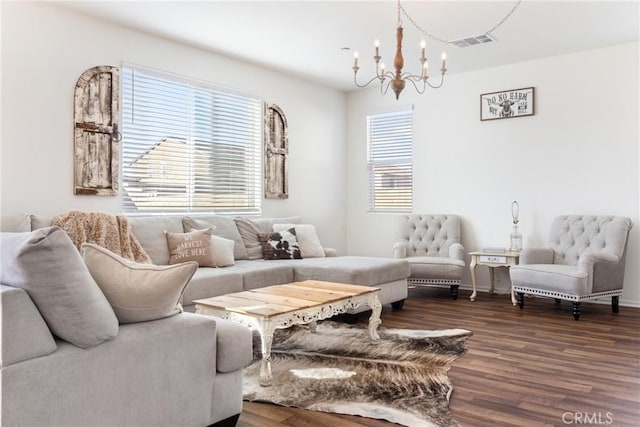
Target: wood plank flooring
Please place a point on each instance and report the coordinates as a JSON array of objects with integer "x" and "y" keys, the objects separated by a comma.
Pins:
[{"x": 531, "y": 367}]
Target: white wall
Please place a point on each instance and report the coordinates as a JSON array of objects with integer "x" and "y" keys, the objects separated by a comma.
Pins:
[
  {"x": 579, "y": 154},
  {"x": 46, "y": 48}
]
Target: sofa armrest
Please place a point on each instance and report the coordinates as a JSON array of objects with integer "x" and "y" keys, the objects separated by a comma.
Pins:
[
  {"x": 400, "y": 249},
  {"x": 330, "y": 252},
  {"x": 536, "y": 256},
  {"x": 456, "y": 251},
  {"x": 23, "y": 332},
  {"x": 234, "y": 346}
]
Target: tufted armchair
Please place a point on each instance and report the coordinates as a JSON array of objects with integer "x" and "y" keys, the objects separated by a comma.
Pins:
[
  {"x": 431, "y": 245},
  {"x": 585, "y": 260}
]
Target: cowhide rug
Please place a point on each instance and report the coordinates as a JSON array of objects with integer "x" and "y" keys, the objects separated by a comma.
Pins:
[{"x": 402, "y": 378}]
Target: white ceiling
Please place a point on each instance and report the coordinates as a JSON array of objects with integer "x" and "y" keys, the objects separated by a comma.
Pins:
[{"x": 305, "y": 38}]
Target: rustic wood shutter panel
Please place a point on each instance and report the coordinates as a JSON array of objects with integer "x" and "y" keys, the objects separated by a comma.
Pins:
[
  {"x": 276, "y": 174},
  {"x": 96, "y": 132}
]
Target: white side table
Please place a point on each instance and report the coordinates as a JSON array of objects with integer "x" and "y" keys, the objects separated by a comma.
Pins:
[{"x": 492, "y": 260}]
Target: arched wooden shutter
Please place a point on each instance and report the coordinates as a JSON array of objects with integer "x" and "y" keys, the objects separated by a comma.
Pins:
[
  {"x": 276, "y": 179},
  {"x": 96, "y": 135}
]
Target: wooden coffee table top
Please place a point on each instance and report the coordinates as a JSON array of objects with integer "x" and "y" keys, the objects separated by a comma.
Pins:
[{"x": 280, "y": 299}]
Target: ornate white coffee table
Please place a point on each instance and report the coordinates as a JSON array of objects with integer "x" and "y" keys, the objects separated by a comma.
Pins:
[{"x": 282, "y": 306}]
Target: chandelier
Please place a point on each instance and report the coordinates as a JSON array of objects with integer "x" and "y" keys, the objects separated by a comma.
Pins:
[{"x": 398, "y": 79}]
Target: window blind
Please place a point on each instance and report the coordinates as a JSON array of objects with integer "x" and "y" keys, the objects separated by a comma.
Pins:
[
  {"x": 187, "y": 147},
  {"x": 389, "y": 160}
]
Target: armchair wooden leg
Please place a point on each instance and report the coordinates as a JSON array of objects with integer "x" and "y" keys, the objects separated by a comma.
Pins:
[
  {"x": 615, "y": 304},
  {"x": 454, "y": 291},
  {"x": 576, "y": 310},
  {"x": 521, "y": 300}
]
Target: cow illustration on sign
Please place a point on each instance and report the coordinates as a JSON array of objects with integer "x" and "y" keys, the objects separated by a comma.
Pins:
[{"x": 506, "y": 108}]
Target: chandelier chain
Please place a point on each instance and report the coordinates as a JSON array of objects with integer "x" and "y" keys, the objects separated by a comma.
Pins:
[{"x": 441, "y": 40}]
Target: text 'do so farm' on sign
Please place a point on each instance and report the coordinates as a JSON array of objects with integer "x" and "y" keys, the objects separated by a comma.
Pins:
[{"x": 506, "y": 104}]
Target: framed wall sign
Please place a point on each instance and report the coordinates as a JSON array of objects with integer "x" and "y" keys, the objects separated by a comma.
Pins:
[{"x": 507, "y": 104}]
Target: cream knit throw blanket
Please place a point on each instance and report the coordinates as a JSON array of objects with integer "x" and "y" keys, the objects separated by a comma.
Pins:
[{"x": 107, "y": 230}]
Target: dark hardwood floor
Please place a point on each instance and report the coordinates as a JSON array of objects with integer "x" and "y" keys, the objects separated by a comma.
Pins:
[{"x": 531, "y": 367}]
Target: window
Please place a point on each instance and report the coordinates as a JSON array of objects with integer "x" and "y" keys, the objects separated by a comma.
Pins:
[
  {"x": 188, "y": 147},
  {"x": 389, "y": 156}
]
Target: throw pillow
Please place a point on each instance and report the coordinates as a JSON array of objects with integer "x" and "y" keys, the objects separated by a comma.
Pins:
[
  {"x": 223, "y": 249},
  {"x": 249, "y": 232},
  {"x": 224, "y": 226},
  {"x": 249, "y": 229},
  {"x": 310, "y": 246},
  {"x": 138, "y": 292},
  {"x": 193, "y": 246},
  {"x": 47, "y": 265},
  {"x": 282, "y": 245}
]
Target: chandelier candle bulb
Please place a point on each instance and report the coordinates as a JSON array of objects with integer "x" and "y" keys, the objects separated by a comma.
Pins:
[
  {"x": 355, "y": 59},
  {"x": 377, "y": 46},
  {"x": 444, "y": 61},
  {"x": 423, "y": 45}
]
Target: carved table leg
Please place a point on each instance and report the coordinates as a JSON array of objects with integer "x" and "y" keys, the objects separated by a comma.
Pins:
[
  {"x": 266, "y": 337},
  {"x": 472, "y": 267},
  {"x": 492, "y": 275},
  {"x": 374, "y": 320}
]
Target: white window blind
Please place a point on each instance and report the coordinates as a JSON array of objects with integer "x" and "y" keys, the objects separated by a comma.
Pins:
[
  {"x": 389, "y": 161},
  {"x": 187, "y": 147}
]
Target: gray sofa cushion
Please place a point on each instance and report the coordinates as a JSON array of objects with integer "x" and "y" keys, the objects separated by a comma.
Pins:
[
  {"x": 15, "y": 223},
  {"x": 551, "y": 277},
  {"x": 149, "y": 230},
  {"x": 24, "y": 333},
  {"x": 47, "y": 265},
  {"x": 365, "y": 271},
  {"x": 426, "y": 267},
  {"x": 260, "y": 273},
  {"x": 211, "y": 282},
  {"x": 224, "y": 227},
  {"x": 138, "y": 292},
  {"x": 40, "y": 221}
]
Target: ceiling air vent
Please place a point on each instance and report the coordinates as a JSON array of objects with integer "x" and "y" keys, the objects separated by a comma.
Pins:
[{"x": 475, "y": 40}]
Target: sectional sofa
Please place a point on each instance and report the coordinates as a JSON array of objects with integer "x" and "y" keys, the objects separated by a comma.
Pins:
[
  {"x": 180, "y": 370},
  {"x": 250, "y": 271}
]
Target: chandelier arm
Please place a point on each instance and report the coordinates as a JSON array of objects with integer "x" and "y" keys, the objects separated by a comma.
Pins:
[
  {"x": 384, "y": 92},
  {"x": 415, "y": 85},
  {"x": 367, "y": 83},
  {"x": 408, "y": 76},
  {"x": 438, "y": 85},
  {"x": 441, "y": 40}
]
